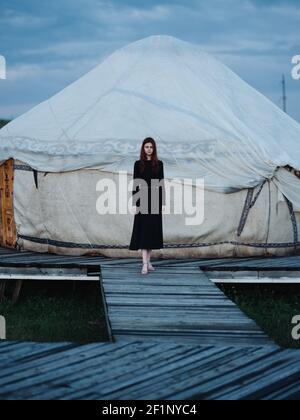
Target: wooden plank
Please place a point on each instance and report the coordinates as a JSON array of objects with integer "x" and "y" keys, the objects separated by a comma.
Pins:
[
  {"x": 137, "y": 369},
  {"x": 251, "y": 280},
  {"x": 8, "y": 234},
  {"x": 255, "y": 277},
  {"x": 47, "y": 278},
  {"x": 182, "y": 309},
  {"x": 274, "y": 263}
]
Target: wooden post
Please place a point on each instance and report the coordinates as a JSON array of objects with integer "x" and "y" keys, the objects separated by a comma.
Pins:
[
  {"x": 2, "y": 290},
  {"x": 17, "y": 290},
  {"x": 8, "y": 234}
]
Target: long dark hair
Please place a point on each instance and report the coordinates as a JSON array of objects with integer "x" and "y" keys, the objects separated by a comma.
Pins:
[{"x": 143, "y": 156}]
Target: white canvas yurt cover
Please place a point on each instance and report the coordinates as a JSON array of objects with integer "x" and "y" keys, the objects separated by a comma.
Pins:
[{"x": 208, "y": 123}]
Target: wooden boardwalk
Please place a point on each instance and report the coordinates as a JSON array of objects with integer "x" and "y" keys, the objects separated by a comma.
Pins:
[
  {"x": 155, "y": 366},
  {"x": 272, "y": 263},
  {"x": 146, "y": 370},
  {"x": 175, "y": 302}
]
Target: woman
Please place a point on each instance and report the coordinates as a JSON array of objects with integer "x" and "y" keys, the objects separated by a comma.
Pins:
[{"x": 147, "y": 231}]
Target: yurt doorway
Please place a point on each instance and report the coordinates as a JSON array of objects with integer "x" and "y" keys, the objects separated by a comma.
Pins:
[{"x": 7, "y": 223}]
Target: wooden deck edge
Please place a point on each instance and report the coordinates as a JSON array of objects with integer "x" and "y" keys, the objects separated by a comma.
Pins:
[{"x": 105, "y": 306}]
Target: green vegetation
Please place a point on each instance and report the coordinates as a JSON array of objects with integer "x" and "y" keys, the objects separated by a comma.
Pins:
[
  {"x": 3, "y": 123},
  {"x": 271, "y": 306},
  {"x": 50, "y": 312},
  {"x": 64, "y": 311}
]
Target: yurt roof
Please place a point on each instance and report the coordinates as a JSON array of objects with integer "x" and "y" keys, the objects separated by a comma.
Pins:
[{"x": 206, "y": 120}]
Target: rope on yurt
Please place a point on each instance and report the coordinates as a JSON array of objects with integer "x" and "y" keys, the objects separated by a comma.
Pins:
[
  {"x": 245, "y": 211},
  {"x": 35, "y": 176},
  {"x": 249, "y": 203},
  {"x": 293, "y": 219},
  {"x": 42, "y": 210},
  {"x": 269, "y": 213},
  {"x": 167, "y": 246}
]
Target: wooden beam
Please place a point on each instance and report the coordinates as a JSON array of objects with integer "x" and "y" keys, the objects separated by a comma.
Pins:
[
  {"x": 255, "y": 280},
  {"x": 8, "y": 233},
  {"x": 47, "y": 277},
  {"x": 254, "y": 277}
]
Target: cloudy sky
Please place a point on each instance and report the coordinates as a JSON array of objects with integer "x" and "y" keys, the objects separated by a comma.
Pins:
[{"x": 48, "y": 45}]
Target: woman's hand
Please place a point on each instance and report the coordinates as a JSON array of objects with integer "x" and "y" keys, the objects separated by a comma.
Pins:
[{"x": 134, "y": 210}]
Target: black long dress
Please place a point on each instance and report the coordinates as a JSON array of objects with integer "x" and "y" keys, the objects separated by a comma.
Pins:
[{"x": 147, "y": 228}]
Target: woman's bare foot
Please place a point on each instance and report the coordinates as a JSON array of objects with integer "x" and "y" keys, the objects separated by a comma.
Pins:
[
  {"x": 145, "y": 268},
  {"x": 150, "y": 266}
]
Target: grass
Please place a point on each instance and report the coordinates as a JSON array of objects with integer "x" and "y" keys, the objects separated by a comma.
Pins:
[
  {"x": 53, "y": 312},
  {"x": 56, "y": 312},
  {"x": 271, "y": 306}
]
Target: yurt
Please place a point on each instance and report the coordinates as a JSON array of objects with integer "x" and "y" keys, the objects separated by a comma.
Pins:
[{"x": 208, "y": 123}]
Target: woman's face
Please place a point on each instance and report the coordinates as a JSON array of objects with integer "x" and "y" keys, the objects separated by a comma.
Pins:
[{"x": 148, "y": 149}]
